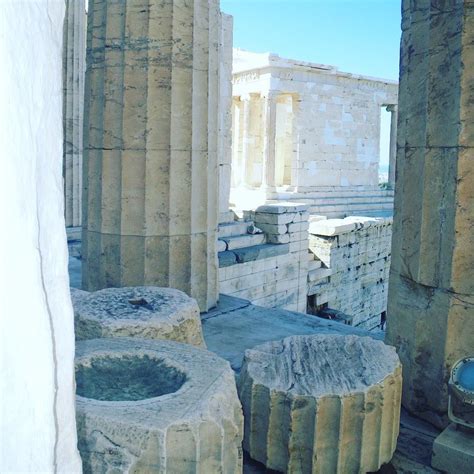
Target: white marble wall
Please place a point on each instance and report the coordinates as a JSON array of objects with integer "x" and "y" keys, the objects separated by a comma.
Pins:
[
  {"x": 37, "y": 411},
  {"x": 326, "y": 123}
]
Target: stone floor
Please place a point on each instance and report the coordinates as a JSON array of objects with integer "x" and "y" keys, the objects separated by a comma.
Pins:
[{"x": 236, "y": 325}]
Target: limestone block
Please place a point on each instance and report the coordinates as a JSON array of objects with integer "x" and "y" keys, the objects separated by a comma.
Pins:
[
  {"x": 282, "y": 208},
  {"x": 321, "y": 403},
  {"x": 172, "y": 408},
  {"x": 453, "y": 451},
  {"x": 331, "y": 227},
  {"x": 278, "y": 239},
  {"x": 145, "y": 312}
]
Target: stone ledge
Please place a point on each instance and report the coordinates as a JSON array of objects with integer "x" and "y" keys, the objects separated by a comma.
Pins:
[{"x": 250, "y": 254}]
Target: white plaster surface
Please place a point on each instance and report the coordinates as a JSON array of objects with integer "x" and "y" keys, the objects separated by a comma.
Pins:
[{"x": 37, "y": 418}]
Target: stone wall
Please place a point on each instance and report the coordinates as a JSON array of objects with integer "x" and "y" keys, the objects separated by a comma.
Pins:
[
  {"x": 355, "y": 256},
  {"x": 276, "y": 275},
  {"x": 37, "y": 410}
]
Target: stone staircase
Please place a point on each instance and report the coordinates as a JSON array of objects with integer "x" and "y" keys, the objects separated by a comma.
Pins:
[
  {"x": 318, "y": 275},
  {"x": 235, "y": 245},
  {"x": 342, "y": 203}
]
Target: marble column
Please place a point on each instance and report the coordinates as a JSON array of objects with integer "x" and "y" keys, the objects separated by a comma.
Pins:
[
  {"x": 150, "y": 205},
  {"x": 431, "y": 292},
  {"x": 246, "y": 105},
  {"x": 269, "y": 140},
  {"x": 393, "y": 109},
  {"x": 225, "y": 113},
  {"x": 74, "y": 48}
]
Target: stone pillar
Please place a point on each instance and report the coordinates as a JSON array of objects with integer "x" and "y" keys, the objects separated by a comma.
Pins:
[
  {"x": 225, "y": 113},
  {"x": 37, "y": 410},
  {"x": 431, "y": 290},
  {"x": 74, "y": 46},
  {"x": 393, "y": 109},
  {"x": 150, "y": 156},
  {"x": 246, "y": 105},
  {"x": 269, "y": 140}
]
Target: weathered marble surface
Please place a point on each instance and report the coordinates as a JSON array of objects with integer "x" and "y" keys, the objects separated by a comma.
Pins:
[
  {"x": 150, "y": 195},
  {"x": 37, "y": 418},
  {"x": 74, "y": 68},
  {"x": 197, "y": 428},
  {"x": 144, "y": 312},
  {"x": 431, "y": 291},
  {"x": 321, "y": 403}
]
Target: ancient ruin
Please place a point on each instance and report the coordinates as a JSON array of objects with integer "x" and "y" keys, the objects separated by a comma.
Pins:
[
  {"x": 245, "y": 187},
  {"x": 146, "y": 312},
  {"x": 321, "y": 403},
  {"x": 173, "y": 409},
  {"x": 308, "y": 132}
]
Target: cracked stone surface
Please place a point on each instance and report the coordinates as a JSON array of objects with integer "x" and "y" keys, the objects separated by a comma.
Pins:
[
  {"x": 321, "y": 403},
  {"x": 144, "y": 312},
  {"x": 194, "y": 426}
]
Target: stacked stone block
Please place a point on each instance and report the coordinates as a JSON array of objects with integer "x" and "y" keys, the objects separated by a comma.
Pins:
[
  {"x": 357, "y": 253},
  {"x": 280, "y": 279}
]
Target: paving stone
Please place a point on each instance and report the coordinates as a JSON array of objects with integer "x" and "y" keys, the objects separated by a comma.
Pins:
[{"x": 227, "y": 259}]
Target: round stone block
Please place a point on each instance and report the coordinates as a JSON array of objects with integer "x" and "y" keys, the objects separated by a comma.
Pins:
[
  {"x": 321, "y": 404},
  {"x": 146, "y": 312},
  {"x": 156, "y": 407}
]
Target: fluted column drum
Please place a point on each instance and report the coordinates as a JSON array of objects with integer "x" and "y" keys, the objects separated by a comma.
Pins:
[
  {"x": 322, "y": 404},
  {"x": 150, "y": 204}
]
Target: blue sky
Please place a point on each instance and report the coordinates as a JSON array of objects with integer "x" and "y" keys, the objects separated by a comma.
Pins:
[{"x": 359, "y": 36}]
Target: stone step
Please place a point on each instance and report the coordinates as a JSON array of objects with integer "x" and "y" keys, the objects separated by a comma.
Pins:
[
  {"x": 232, "y": 229},
  {"x": 314, "y": 265},
  {"x": 250, "y": 254},
  {"x": 243, "y": 241},
  {"x": 319, "y": 274}
]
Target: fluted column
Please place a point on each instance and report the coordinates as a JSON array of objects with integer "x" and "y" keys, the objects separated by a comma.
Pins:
[
  {"x": 150, "y": 157},
  {"x": 393, "y": 109},
  {"x": 431, "y": 296},
  {"x": 269, "y": 140},
  {"x": 74, "y": 48}
]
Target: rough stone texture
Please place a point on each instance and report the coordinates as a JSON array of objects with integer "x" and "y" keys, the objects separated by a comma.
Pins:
[
  {"x": 301, "y": 128},
  {"x": 321, "y": 403},
  {"x": 430, "y": 315},
  {"x": 74, "y": 67},
  {"x": 196, "y": 427},
  {"x": 150, "y": 196},
  {"x": 146, "y": 312},
  {"x": 274, "y": 274},
  {"x": 224, "y": 139},
  {"x": 357, "y": 252},
  {"x": 453, "y": 451},
  {"x": 37, "y": 419}
]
